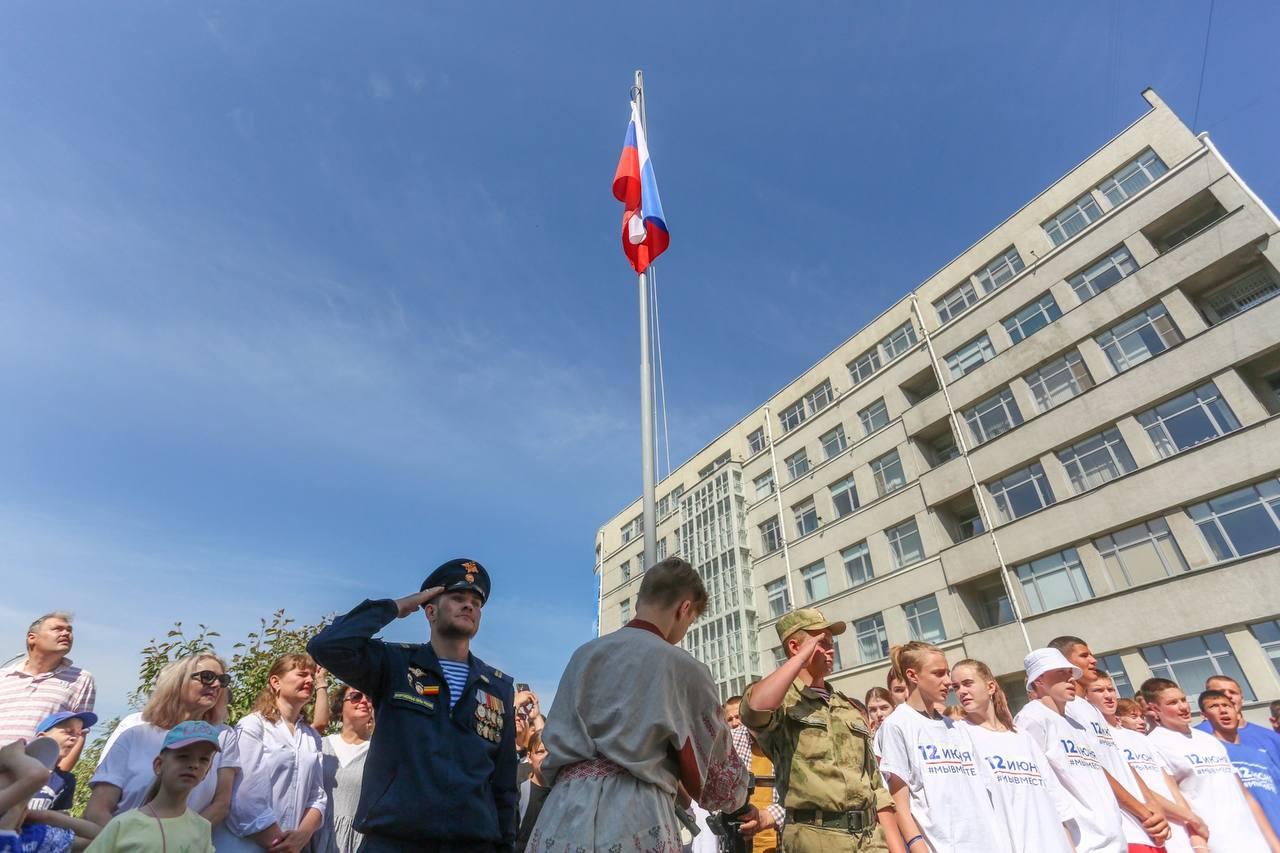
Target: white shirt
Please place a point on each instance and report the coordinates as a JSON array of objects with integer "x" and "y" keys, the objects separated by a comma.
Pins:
[
  {"x": 1029, "y": 802},
  {"x": 937, "y": 762},
  {"x": 1147, "y": 762},
  {"x": 127, "y": 764},
  {"x": 283, "y": 777},
  {"x": 1209, "y": 782},
  {"x": 346, "y": 752},
  {"x": 1073, "y": 754},
  {"x": 1086, "y": 714}
]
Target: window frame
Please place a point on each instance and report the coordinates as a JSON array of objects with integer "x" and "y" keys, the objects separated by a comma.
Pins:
[
  {"x": 793, "y": 463},
  {"x": 858, "y": 372},
  {"x": 890, "y": 348},
  {"x": 813, "y": 572},
  {"x": 1046, "y": 307},
  {"x": 1073, "y": 366},
  {"x": 1081, "y": 208},
  {"x": 1066, "y": 563},
  {"x": 1155, "y": 422},
  {"x": 1111, "y": 340},
  {"x": 862, "y": 559},
  {"x": 1085, "y": 283},
  {"x": 947, "y": 307},
  {"x": 841, "y": 442},
  {"x": 874, "y": 421},
  {"x": 914, "y": 614},
  {"x": 770, "y": 484},
  {"x": 776, "y": 593},
  {"x": 805, "y": 516},
  {"x": 878, "y": 473},
  {"x": 897, "y": 537},
  {"x": 1140, "y": 165},
  {"x": 870, "y": 627},
  {"x": 1007, "y": 264},
  {"x": 1004, "y": 401},
  {"x": 1155, "y": 531},
  {"x": 770, "y": 532},
  {"x": 755, "y": 441},
  {"x": 1166, "y": 667},
  {"x": 1209, "y": 519},
  {"x": 1032, "y": 474},
  {"x": 848, "y": 488},
  {"x": 1111, "y": 445},
  {"x": 960, "y": 365}
]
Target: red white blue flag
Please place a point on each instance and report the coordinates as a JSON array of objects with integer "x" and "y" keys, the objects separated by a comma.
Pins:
[{"x": 644, "y": 228}]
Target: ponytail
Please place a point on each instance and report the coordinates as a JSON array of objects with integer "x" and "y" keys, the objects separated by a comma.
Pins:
[
  {"x": 999, "y": 701},
  {"x": 910, "y": 655}
]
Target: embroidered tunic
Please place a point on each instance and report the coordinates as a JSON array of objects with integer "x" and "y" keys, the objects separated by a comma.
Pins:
[{"x": 634, "y": 717}]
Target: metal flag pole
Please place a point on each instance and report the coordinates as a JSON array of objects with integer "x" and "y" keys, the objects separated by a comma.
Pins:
[{"x": 647, "y": 455}]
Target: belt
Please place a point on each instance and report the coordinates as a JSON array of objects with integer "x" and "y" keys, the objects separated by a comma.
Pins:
[{"x": 855, "y": 820}]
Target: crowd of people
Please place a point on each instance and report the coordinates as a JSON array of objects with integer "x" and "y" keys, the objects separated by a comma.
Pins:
[{"x": 432, "y": 749}]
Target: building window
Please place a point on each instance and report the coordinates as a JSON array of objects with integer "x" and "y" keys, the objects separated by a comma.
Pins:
[
  {"x": 626, "y": 570},
  {"x": 1113, "y": 666},
  {"x": 664, "y": 503},
  {"x": 1073, "y": 219},
  {"x": 1142, "y": 553},
  {"x": 1139, "y": 338},
  {"x": 994, "y": 416},
  {"x": 771, "y": 535},
  {"x": 792, "y": 416},
  {"x": 779, "y": 656},
  {"x": 1191, "y": 419},
  {"x": 1133, "y": 177},
  {"x": 624, "y": 610},
  {"x": 779, "y": 599},
  {"x": 815, "y": 581},
  {"x": 1032, "y": 318},
  {"x": 1102, "y": 274},
  {"x": 992, "y": 604},
  {"x": 888, "y": 474},
  {"x": 1096, "y": 460},
  {"x": 864, "y": 365},
  {"x": 1059, "y": 381},
  {"x": 1021, "y": 492},
  {"x": 1242, "y": 522},
  {"x": 715, "y": 464},
  {"x": 898, "y": 341},
  {"x": 660, "y": 550},
  {"x": 1252, "y": 288},
  {"x": 968, "y": 524},
  {"x": 806, "y": 407},
  {"x": 874, "y": 417},
  {"x": 833, "y": 443},
  {"x": 764, "y": 485},
  {"x": 1054, "y": 581},
  {"x": 956, "y": 301},
  {"x": 806, "y": 516},
  {"x": 857, "y": 564},
  {"x": 797, "y": 464},
  {"x": 969, "y": 356},
  {"x": 633, "y": 529},
  {"x": 1192, "y": 661},
  {"x": 924, "y": 620},
  {"x": 944, "y": 448},
  {"x": 1003, "y": 268},
  {"x": 872, "y": 640},
  {"x": 755, "y": 442},
  {"x": 844, "y": 496},
  {"x": 819, "y": 398},
  {"x": 904, "y": 542},
  {"x": 1268, "y": 636}
]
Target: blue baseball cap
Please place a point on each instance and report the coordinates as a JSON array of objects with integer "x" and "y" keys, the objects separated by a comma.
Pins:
[
  {"x": 189, "y": 732},
  {"x": 89, "y": 719}
]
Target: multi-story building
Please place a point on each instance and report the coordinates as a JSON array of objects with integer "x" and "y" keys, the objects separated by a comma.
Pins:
[{"x": 1071, "y": 428}]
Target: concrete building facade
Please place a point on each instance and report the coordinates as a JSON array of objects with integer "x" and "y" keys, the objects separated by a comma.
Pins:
[{"x": 1071, "y": 428}]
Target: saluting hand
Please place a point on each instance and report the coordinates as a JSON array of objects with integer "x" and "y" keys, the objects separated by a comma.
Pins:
[{"x": 413, "y": 603}]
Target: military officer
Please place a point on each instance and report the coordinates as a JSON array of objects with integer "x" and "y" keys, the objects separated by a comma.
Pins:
[
  {"x": 441, "y": 771},
  {"x": 820, "y": 746}
]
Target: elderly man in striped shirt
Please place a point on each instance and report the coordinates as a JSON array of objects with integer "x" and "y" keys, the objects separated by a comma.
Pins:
[{"x": 44, "y": 682}]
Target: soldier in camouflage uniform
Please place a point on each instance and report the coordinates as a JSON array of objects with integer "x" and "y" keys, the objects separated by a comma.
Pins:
[{"x": 820, "y": 745}]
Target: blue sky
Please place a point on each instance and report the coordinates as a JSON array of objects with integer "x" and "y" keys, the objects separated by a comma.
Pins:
[{"x": 299, "y": 300}]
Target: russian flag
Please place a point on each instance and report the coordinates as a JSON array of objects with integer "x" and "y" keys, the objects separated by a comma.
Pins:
[{"x": 644, "y": 228}]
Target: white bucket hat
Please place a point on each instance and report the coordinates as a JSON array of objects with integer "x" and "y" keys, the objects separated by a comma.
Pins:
[{"x": 1040, "y": 661}]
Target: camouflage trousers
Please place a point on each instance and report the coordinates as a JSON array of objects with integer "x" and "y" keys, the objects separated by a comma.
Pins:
[{"x": 803, "y": 838}]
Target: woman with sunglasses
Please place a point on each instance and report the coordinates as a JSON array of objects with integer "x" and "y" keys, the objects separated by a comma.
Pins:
[
  {"x": 191, "y": 688},
  {"x": 344, "y": 755}
]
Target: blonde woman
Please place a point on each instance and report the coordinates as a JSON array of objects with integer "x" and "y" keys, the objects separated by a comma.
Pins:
[
  {"x": 191, "y": 688},
  {"x": 282, "y": 800}
]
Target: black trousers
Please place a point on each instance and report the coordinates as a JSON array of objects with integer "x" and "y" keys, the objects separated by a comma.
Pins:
[{"x": 384, "y": 844}]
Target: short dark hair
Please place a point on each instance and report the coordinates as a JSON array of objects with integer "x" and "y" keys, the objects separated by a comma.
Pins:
[
  {"x": 1104, "y": 674},
  {"x": 1066, "y": 643},
  {"x": 1153, "y": 687},
  {"x": 733, "y": 699},
  {"x": 1275, "y": 708},
  {"x": 670, "y": 581},
  {"x": 1206, "y": 695},
  {"x": 1214, "y": 678}
]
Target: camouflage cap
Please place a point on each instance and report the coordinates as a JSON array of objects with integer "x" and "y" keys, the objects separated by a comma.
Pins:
[{"x": 808, "y": 619}]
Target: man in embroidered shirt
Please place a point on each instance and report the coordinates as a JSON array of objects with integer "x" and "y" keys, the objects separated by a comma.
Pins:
[
  {"x": 43, "y": 683},
  {"x": 636, "y": 720}
]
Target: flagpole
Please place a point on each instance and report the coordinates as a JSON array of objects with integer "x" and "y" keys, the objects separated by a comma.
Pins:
[{"x": 647, "y": 455}]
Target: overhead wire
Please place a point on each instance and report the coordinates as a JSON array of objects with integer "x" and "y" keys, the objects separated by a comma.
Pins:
[{"x": 1204, "y": 61}]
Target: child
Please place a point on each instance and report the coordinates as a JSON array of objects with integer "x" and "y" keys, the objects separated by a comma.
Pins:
[
  {"x": 1253, "y": 765},
  {"x": 163, "y": 822},
  {"x": 66, "y": 729},
  {"x": 1204, "y": 773},
  {"x": 929, "y": 763},
  {"x": 21, "y": 775}
]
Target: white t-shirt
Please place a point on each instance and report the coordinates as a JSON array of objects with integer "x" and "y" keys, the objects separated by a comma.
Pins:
[
  {"x": 1147, "y": 762},
  {"x": 346, "y": 752},
  {"x": 1209, "y": 782},
  {"x": 1029, "y": 801},
  {"x": 937, "y": 762},
  {"x": 1084, "y": 713},
  {"x": 1073, "y": 754},
  {"x": 128, "y": 766}
]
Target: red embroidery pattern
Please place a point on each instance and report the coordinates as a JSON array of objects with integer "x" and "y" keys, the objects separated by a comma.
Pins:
[
  {"x": 592, "y": 768},
  {"x": 724, "y": 783}
]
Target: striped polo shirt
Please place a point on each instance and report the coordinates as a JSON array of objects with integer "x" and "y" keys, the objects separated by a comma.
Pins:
[{"x": 27, "y": 699}]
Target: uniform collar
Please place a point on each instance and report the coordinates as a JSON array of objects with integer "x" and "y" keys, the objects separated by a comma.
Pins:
[{"x": 645, "y": 626}]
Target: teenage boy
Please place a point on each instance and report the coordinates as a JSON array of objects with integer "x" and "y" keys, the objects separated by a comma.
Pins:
[
  {"x": 1254, "y": 767},
  {"x": 1205, "y": 774},
  {"x": 1186, "y": 830},
  {"x": 1258, "y": 737},
  {"x": 1275, "y": 716},
  {"x": 1144, "y": 822},
  {"x": 1072, "y": 751}
]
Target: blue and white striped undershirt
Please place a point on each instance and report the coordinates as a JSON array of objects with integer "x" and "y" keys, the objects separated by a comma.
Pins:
[{"x": 455, "y": 674}]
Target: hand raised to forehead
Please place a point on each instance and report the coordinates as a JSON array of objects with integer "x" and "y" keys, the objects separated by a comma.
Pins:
[{"x": 417, "y": 600}]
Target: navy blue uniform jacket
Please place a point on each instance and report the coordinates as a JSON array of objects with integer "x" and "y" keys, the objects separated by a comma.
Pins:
[{"x": 430, "y": 775}]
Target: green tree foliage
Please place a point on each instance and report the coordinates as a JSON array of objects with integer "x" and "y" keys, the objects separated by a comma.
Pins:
[{"x": 248, "y": 664}]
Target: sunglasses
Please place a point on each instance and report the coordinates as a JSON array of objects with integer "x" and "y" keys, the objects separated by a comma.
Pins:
[
  {"x": 354, "y": 696},
  {"x": 209, "y": 678}
]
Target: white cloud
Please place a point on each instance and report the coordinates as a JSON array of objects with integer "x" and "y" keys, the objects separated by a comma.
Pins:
[{"x": 380, "y": 87}]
